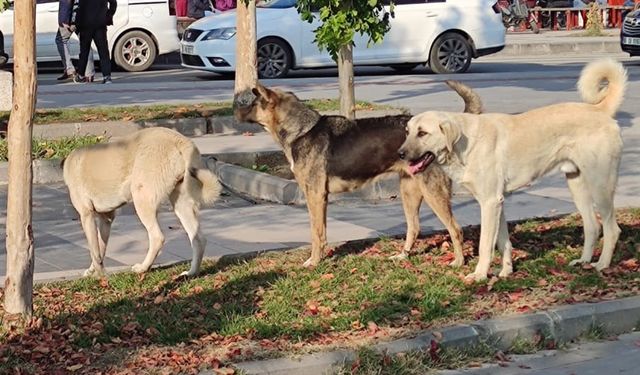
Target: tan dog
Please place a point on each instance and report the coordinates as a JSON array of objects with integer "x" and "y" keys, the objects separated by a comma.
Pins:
[
  {"x": 146, "y": 168},
  {"x": 494, "y": 154},
  {"x": 332, "y": 154}
]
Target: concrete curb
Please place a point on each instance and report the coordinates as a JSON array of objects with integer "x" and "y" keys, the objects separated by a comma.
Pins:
[
  {"x": 559, "y": 47},
  {"x": 563, "y": 324}
]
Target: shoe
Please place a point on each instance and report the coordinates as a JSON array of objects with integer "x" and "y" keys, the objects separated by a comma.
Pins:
[
  {"x": 90, "y": 79},
  {"x": 107, "y": 80},
  {"x": 65, "y": 76},
  {"x": 79, "y": 79}
]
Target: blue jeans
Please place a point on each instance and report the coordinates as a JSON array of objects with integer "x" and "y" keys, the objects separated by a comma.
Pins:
[{"x": 62, "y": 42}]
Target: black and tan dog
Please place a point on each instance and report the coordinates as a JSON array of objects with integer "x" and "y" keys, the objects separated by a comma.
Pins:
[{"x": 331, "y": 154}]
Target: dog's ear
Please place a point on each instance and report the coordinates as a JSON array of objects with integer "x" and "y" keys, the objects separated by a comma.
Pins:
[
  {"x": 451, "y": 132},
  {"x": 264, "y": 93}
]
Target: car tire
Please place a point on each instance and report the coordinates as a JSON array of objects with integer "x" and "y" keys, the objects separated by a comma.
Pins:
[
  {"x": 451, "y": 53},
  {"x": 274, "y": 58},
  {"x": 135, "y": 51},
  {"x": 404, "y": 68}
]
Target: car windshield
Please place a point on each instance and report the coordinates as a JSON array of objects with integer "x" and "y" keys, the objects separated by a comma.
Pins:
[{"x": 276, "y": 4}]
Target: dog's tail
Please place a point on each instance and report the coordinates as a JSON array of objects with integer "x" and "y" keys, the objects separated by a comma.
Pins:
[
  {"x": 608, "y": 98},
  {"x": 472, "y": 101},
  {"x": 208, "y": 189}
]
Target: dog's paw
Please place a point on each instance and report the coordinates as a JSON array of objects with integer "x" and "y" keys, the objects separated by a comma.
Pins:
[
  {"x": 139, "y": 268},
  {"x": 402, "y": 256},
  {"x": 599, "y": 267},
  {"x": 458, "y": 262},
  {"x": 475, "y": 277},
  {"x": 578, "y": 262},
  {"x": 505, "y": 272},
  {"x": 310, "y": 263},
  {"x": 188, "y": 273}
]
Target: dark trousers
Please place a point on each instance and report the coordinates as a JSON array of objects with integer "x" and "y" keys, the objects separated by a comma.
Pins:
[{"x": 99, "y": 37}]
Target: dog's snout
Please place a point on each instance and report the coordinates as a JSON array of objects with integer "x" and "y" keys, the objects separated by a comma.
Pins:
[{"x": 402, "y": 154}]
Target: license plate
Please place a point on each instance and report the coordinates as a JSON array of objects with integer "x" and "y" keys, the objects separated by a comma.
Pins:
[
  {"x": 187, "y": 50},
  {"x": 632, "y": 41}
]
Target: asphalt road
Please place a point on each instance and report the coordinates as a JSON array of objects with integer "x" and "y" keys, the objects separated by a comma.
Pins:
[{"x": 539, "y": 82}]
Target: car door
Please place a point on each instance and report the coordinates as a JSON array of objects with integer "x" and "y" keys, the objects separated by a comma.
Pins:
[
  {"x": 406, "y": 41},
  {"x": 311, "y": 55}
]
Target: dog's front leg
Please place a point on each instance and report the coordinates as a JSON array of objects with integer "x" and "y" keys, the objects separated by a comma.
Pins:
[
  {"x": 411, "y": 201},
  {"x": 490, "y": 211},
  {"x": 317, "y": 205},
  {"x": 88, "y": 220},
  {"x": 505, "y": 247}
]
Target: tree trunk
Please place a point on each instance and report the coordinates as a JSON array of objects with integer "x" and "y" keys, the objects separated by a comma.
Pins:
[
  {"x": 18, "y": 293},
  {"x": 345, "y": 76},
  {"x": 246, "y": 52}
]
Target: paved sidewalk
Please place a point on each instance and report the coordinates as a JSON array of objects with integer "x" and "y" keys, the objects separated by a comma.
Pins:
[
  {"x": 237, "y": 226},
  {"x": 621, "y": 356}
]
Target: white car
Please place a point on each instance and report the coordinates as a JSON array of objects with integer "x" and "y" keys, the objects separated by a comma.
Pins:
[
  {"x": 444, "y": 34},
  {"x": 141, "y": 30}
]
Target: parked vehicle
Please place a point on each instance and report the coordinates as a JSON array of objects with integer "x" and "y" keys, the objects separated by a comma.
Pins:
[
  {"x": 142, "y": 30},
  {"x": 630, "y": 32},
  {"x": 3, "y": 55},
  {"x": 445, "y": 35},
  {"x": 515, "y": 12}
]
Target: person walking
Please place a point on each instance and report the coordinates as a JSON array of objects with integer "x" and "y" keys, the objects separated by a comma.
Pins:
[
  {"x": 66, "y": 27},
  {"x": 92, "y": 19}
]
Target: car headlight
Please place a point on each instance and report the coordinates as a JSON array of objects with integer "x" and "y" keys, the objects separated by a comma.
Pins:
[{"x": 224, "y": 33}]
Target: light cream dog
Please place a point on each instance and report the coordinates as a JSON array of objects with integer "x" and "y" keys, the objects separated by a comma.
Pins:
[
  {"x": 146, "y": 168},
  {"x": 494, "y": 154}
]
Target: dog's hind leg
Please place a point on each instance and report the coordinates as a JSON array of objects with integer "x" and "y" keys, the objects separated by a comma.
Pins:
[
  {"x": 602, "y": 188},
  {"x": 147, "y": 209},
  {"x": 436, "y": 190},
  {"x": 187, "y": 212},
  {"x": 104, "y": 229},
  {"x": 505, "y": 247},
  {"x": 584, "y": 203},
  {"x": 411, "y": 201},
  {"x": 88, "y": 219}
]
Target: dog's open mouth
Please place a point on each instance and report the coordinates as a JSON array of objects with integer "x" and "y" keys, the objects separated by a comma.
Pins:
[{"x": 420, "y": 164}]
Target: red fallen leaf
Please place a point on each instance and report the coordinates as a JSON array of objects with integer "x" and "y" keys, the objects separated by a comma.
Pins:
[
  {"x": 197, "y": 289},
  {"x": 434, "y": 351},
  {"x": 104, "y": 283},
  {"x": 312, "y": 307},
  {"x": 217, "y": 306},
  {"x": 225, "y": 371},
  {"x": 355, "y": 365},
  {"x": 587, "y": 266},
  {"x": 158, "y": 300},
  {"x": 386, "y": 359},
  {"x": 561, "y": 260},
  {"x": 247, "y": 134},
  {"x": 42, "y": 349},
  {"x": 630, "y": 264},
  {"x": 353, "y": 270},
  {"x": 372, "y": 327},
  {"x": 514, "y": 296},
  {"x": 75, "y": 367},
  {"x": 543, "y": 282},
  {"x": 327, "y": 276},
  {"x": 523, "y": 309},
  {"x": 500, "y": 356}
]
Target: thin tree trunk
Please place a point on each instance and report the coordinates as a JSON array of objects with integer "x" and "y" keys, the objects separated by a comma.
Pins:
[
  {"x": 18, "y": 293},
  {"x": 345, "y": 76},
  {"x": 246, "y": 51}
]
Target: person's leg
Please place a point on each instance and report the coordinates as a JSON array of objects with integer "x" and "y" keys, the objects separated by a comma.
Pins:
[
  {"x": 86, "y": 35},
  {"x": 100, "y": 38},
  {"x": 62, "y": 42},
  {"x": 90, "y": 70}
]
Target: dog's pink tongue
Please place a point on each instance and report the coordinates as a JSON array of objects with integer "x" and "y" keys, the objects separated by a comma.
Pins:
[{"x": 416, "y": 167}]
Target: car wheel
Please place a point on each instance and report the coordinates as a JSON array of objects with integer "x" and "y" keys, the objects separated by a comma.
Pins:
[
  {"x": 135, "y": 51},
  {"x": 451, "y": 53},
  {"x": 404, "y": 68},
  {"x": 274, "y": 58}
]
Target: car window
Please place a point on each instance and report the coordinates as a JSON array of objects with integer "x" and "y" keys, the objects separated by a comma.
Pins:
[{"x": 280, "y": 4}]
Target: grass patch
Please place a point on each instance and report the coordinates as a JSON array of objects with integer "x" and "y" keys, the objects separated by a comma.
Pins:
[
  {"x": 163, "y": 111},
  {"x": 53, "y": 148},
  {"x": 269, "y": 305}
]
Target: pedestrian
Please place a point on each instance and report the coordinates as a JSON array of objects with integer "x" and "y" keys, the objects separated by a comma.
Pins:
[
  {"x": 66, "y": 27},
  {"x": 92, "y": 20},
  {"x": 181, "y": 8},
  {"x": 196, "y": 8}
]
